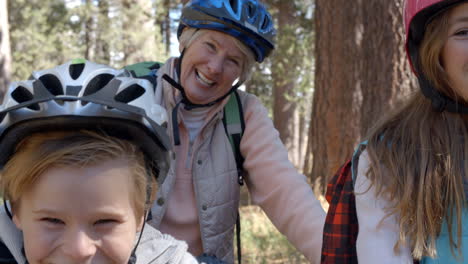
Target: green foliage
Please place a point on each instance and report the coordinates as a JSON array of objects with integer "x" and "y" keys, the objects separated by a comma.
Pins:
[
  {"x": 262, "y": 242},
  {"x": 38, "y": 35},
  {"x": 48, "y": 32},
  {"x": 295, "y": 55},
  {"x": 261, "y": 83},
  {"x": 292, "y": 60}
]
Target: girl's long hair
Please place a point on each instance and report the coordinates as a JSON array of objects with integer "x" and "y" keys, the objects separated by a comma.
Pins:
[{"x": 418, "y": 157}]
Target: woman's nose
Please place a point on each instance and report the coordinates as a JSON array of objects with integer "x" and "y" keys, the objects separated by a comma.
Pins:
[
  {"x": 215, "y": 64},
  {"x": 79, "y": 246}
]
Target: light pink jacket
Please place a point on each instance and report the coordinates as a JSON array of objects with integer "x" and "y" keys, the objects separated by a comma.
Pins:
[{"x": 199, "y": 199}]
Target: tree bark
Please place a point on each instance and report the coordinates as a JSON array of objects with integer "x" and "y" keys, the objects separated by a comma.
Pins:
[
  {"x": 89, "y": 31},
  {"x": 334, "y": 126},
  {"x": 167, "y": 26},
  {"x": 386, "y": 73},
  {"x": 361, "y": 72},
  {"x": 102, "y": 42},
  {"x": 5, "y": 51}
]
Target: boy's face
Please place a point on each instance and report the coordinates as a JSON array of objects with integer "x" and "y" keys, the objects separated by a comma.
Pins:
[{"x": 79, "y": 215}]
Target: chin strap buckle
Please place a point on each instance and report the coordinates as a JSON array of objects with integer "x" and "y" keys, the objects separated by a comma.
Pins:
[{"x": 439, "y": 104}]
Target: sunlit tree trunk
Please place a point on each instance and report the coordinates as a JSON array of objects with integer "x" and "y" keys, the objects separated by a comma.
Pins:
[
  {"x": 167, "y": 26},
  {"x": 88, "y": 31},
  {"x": 5, "y": 52},
  {"x": 103, "y": 26}
]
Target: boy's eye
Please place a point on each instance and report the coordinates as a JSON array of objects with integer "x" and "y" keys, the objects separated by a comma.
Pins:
[
  {"x": 51, "y": 220},
  {"x": 234, "y": 61},
  {"x": 105, "y": 221}
]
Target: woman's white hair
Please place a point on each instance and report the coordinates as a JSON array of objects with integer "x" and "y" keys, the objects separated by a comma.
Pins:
[{"x": 190, "y": 34}]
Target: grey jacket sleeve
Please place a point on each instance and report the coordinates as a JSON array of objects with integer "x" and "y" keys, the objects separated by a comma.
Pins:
[
  {"x": 157, "y": 248},
  {"x": 11, "y": 236}
]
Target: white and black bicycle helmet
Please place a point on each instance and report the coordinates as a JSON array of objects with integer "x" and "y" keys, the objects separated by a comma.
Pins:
[{"x": 84, "y": 95}]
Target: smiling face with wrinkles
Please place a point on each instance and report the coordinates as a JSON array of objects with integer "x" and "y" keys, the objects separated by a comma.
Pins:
[{"x": 210, "y": 66}]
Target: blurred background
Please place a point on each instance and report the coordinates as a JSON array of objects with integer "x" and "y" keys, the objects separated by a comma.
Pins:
[{"x": 338, "y": 66}]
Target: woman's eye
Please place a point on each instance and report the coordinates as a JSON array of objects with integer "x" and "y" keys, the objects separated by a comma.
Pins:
[
  {"x": 51, "y": 220},
  {"x": 210, "y": 46}
]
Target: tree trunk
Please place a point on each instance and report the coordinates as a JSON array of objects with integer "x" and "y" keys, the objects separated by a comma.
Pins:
[
  {"x": 334, "y": 126},
  {"x": 167, "y": 26},
  {"x": 385, "y": 73},
  {"x": 283, "y": 69},
  {"x": 303, "y": 137},
  {"x": 361, "y": 72},
  {"x": 5, "y": 52},
  {"x": 102, "y": 41},
  {"x": 89, "y": 31}
]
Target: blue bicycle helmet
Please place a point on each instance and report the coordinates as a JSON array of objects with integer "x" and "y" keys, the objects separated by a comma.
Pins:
[{"x": 246, "y": 20}]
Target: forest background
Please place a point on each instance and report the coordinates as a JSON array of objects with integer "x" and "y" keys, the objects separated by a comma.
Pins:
[{"x": 337, "y": 67}]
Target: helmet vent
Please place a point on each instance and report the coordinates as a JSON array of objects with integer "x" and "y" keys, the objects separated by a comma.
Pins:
[
  {"x": 52, "y": 84},
  {"x": 21, "y": 95},
  {"x": 97, "y": 83},
  {"x": 130, "y": 93},
  {"x": 233, "y": 4},
  {"x": 251, "y": 10},
  {"x": 265, "y": 23},
  {"x": 76, "y": 70}
]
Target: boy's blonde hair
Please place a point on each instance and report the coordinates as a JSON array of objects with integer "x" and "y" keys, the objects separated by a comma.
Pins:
[{"x": 41, "y": 151}]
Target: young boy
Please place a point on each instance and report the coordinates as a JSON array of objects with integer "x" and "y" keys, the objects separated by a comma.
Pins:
[{"x": 82, "y": 146}]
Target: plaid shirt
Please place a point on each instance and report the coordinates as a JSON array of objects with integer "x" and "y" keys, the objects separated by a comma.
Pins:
[{"x": 341, "y": 225}]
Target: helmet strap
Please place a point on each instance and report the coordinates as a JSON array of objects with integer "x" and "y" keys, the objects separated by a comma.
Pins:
[{"x": 440, "y": 102}]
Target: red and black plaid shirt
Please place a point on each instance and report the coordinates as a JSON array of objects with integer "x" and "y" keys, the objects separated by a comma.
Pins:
[{"x": 341, "y": 225}]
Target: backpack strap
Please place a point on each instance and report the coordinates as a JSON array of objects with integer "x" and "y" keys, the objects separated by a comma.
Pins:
[
  {"x": 355, "y": 159},
  {"x": 145, "y": 70},
  {"x": 234, "y": 125}
]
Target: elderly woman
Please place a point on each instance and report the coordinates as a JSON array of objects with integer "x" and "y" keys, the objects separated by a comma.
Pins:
[{"x": 199, "y": 200}]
